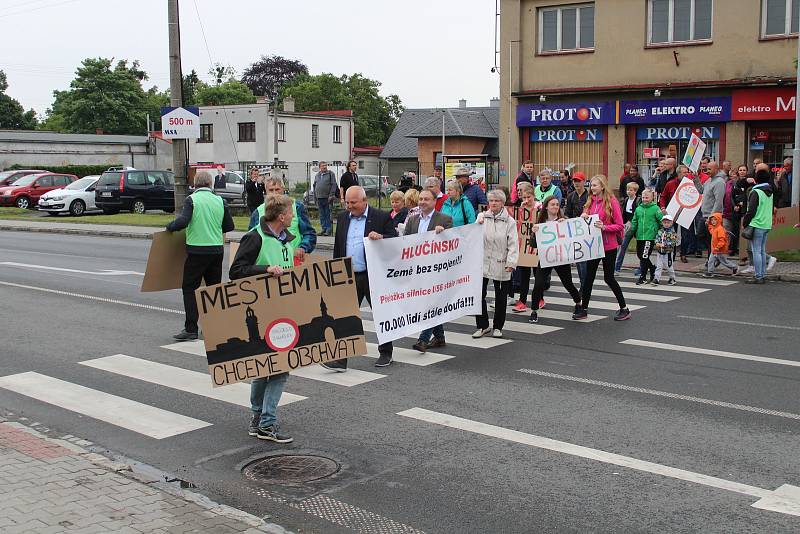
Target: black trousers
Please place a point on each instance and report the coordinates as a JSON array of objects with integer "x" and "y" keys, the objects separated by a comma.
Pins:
[
  {"x": 645, "y": 251},
  {"x": 525, "y": 282},
  {"x": 542, "y": 279},
  {"x": 501, "y": 289},
  {"x": 362, "y": 292},
  {"x": 608, "y": 275},
  {"x": 196, "y": 268}
]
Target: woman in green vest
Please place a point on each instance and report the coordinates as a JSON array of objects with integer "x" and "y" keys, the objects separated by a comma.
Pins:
[
  {"x": 759, "y": 217},
  {"x": 267, "y": 249}
]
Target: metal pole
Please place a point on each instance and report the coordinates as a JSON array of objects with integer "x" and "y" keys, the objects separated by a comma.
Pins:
[
  {"x": 509, "y": 172},
  {"x": 442, "y": 158},
  {"x": 275, "y": 129},
  {"x": 179, "y": 152},
  {"x": 796, "y": 151}
]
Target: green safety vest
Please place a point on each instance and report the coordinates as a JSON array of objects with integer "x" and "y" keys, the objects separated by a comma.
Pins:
[
  {"x": 273, "y": 252},
  {"x": 763, "y": 217},
  {"x": 294, "y": 228},
  {"x": 205, "y": 226},
  {"x": 541, "y": 195}
]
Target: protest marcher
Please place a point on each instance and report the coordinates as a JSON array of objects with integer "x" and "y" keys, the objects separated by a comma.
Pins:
[
  {"x": 713, "y": 191},
  {"x": 605, "y": 205},
  {"x": 428, "y": 220},
  {"x": 525, "y": 175},
  {"x": 348, "y": 179},
  {"x": 666, "y": 241},
  {"x": 305, "y": 239},
  {"x": 471, "y": 191},
  {"x": 546, "y": 187},
  {"x": 551, "y": 211},
  {"x": 206, "y": 218},
  {"x": 528, "y": 201},
  {"x": 644, "y": 227},
  {"x": 738, "y": 201},
  {"x": 399, "y": 210},
  {"x": 631, "y": 202},
  {"x": 632, "y": 177},
  {"x": 759, "y": 218},
  {"x": 437, "y": 173},
  {"x": 411, "y": 199},
  {"x": 626, "y": 169},
  {"x": 358, "y": 221},
  {"x": 267, "y": 249},
  {"x": 573, "y": 207},
  {"x": 254, "y": 190},
  {"x": 783, "y": 185},
  {"x": 325, "y": 191},
  {"x": 719, "y": 246},
  {"x": 672, "y": 186},
  {"x": 565, "y": 185},
  {"x": 667, "y": 174},
  {"x": 500, "y": 255},
  {"x": 434, "y": 185},
  {"x": 458, "y": 205},
  {"x": 219, "y": 178}
]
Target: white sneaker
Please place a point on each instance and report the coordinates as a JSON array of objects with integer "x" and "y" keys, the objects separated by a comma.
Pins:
[
  {"x": 511, "y": 301},
  {"x": 748, "y": 270},
  {"x": 490, "y": 306},
  {"x": 497, "y": 333},
  {"x": 480, "y": 332},
  {"x": 771, "y": 263}
]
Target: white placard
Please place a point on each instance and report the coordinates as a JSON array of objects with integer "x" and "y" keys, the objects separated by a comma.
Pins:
[
  {"x": 684, "y": 203},
  {"x": 568, "y": 241},
  {"x": 422, "y": 280},
  {"x": 180, "y": 123},
  {"x": 694, "y": 153}
]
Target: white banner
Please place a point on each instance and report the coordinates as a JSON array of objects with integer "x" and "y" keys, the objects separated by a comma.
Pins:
[
  {"x": 684, "y": 203},
  {"x": 568, "y": 241},
  {"x": 423, "y": 280},
  {"x": 694, "y": 153}
]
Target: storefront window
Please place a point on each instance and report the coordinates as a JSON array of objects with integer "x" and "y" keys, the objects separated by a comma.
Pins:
[
  {"x": 671, "y": 141},
  {"x": 560, "y": 148},
  {"x": 771, "y": 143}
]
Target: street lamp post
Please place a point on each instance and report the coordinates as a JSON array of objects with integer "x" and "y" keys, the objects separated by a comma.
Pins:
[{"x": 796, "y": 151}]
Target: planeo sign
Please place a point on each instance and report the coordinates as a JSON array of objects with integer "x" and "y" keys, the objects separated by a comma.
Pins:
[{"x": 180, "y": 123}]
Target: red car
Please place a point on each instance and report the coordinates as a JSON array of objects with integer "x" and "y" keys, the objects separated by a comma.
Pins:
[
  {"x": 25, "y": 192},
  {"x": 9, "y": 177}
]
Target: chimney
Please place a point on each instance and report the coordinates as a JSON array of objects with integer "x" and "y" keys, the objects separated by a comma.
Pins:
[
  {"x": 288, "y": 104},
  {"x": 462, "y": 103},
  {"x": 261, "y": 100},
  {"x": 494, "y": 102}
]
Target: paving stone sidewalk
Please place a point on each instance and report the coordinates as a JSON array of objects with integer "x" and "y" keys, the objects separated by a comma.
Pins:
[{"x": 49, "y": 486}]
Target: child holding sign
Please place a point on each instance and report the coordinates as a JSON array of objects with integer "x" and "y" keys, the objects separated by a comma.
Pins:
[{"x": 644, "y": 227}]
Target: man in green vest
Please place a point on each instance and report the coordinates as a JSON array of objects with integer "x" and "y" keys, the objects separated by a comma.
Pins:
[
  {"x": 759, "y": 217},
  {"x": 546, "y": 187},
  {"x": 267, "y": 249},
  {"x": 305, "y": 238},
  {"x": 206, "y": 218}
]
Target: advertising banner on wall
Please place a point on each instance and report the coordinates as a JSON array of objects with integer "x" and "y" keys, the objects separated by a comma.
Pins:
[
  {"x": 548, "y": 135},
  {"x": 565, "y": 114},
  {"x": 776, "y": 103},
  {"x": 664, "y": 110}
]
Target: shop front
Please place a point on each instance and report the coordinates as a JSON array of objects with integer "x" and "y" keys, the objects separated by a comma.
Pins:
[
  {"x": 769, "y": 117},
  {"x": 654, "y": 142}
]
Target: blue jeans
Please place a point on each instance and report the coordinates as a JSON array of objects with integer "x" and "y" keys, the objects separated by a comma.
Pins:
[
  {"x": 437, "y": 332},
  {"x": 620, "y": 255},
  {"x": 760, "y": 251},
  {"x": 325, "y": 215},
  {"x": 581, "y": 265},
  {"x": 264, "y": 396}
]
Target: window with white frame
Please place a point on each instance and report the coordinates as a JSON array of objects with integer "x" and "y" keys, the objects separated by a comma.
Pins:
[
  {"x": 337, "y": 134},
  {"x": 779, "y": 17},
  {"x": 678, "y": 21},
  {"x": 315, "y": 136},
  {"x": 566, "y": 28},
  {"x": 282, "y": 131}
]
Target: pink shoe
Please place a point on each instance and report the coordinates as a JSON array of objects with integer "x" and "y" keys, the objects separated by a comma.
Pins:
[
  {"x": 541, "y": 304},
  {"x": 519, "y": 307}
]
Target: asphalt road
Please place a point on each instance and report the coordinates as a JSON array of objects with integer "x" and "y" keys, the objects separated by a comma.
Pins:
[{"x": 489, "y": 450}]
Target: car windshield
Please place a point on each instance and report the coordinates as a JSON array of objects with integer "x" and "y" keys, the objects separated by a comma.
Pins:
[
  {"x": 26, "y": 180},
  {"x": 82, "y": 184},
  {"x": 6, "y": 174}
]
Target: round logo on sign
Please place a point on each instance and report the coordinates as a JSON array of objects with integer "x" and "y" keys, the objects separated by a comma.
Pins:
[
  {"x": 581, "y": 135},
  {"x": 583, "y": 114},
  {"x": 688, "y": 196},
  {"x": 282, "y": 334}
]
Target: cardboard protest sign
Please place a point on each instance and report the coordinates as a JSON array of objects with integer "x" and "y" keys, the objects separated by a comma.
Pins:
[
  {"x": 165, "y": 262},
  {"x": 694, "y": 153},
  {"x": 263, "y": 325},
  {"x": 525, "y": 218},
  {"x": 568, "y": 241},
  {"x": 422, "y": 280},
  {"x": 685, "y": 203},
  {"x": 783, "y": 236}
]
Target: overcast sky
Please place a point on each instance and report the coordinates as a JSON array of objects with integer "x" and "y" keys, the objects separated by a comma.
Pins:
[{"x": 430, "y": 52}]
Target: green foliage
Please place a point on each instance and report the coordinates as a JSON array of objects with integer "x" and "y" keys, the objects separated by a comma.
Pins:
[
  {"x": 222, "y": 72},
  {"x": 375, "y": 116},
  {"x": 78, "y": 170},
  {"x": 154, "y": 101},
  {"x": 190, "y": 83},
  {"x": 300, "y": 188},
  {"x": 12, "y": 114},
  {"x": 225, "y": 94},
  {"x": 266, "y": 76}
]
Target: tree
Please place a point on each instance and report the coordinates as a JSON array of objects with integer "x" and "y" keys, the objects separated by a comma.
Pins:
[
  {"x": 154, "y": 101},
  {"x": 374, "y": 116},
  {"x": 102, "y": 97},
  {"x": 190, "y": 84},
  {"x": 226, "y": 94},
  {"x": 266, "y": 76},
  {"x": 12, "y": 114},
  {"x": 221, "y": 72}
]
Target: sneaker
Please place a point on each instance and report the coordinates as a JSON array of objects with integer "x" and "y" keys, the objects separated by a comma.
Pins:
[
  {"x": 420, "y": 346},
  {"x": 541, "y": 304},
  {"x": 252, "y": 430},
  {"x": 771, "y": 263},
  {"x": 672, "y": 282},
  {"x": 748, "y": 270},
  {"x": 698, "y": 254},
  {"x": 580, "y": 314},
  {"x": 511, "y": 301},
  {"x": 480, "y": 332},
  {"x": 622, "y": 315},
  {"x": 490, "y": 306},
  {"x": 754, "y": 281},
  {"x": 534, "y": 318},
  {"x": 655, "y": 282},
  {"x": 684, "y": 260},
  {"x": 384, "y": 360},
  {"x": 185, "y": 336},
  {"x": 707, "y": 275},
  {"x": 497, "y": 333},
  {"x": 519, "y": 307},
  {"x": 734, "y": 271},
  {"x": 436, "y": 343},
  {"x": 271, "y": 433},
  {"x": 640, "y": 281},
  {"x": 335, "y": 365}
]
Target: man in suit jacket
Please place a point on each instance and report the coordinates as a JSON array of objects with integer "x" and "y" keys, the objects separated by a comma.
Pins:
[
  {"x": 352, "y": 226},
  {"x": 429, "y": 220}
]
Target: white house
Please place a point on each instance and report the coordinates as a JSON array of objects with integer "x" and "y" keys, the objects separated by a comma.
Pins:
[{"x": 243, "y": 135}]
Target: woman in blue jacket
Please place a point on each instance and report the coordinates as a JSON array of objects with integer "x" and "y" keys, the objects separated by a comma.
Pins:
[{"x": 457, "y": 205}]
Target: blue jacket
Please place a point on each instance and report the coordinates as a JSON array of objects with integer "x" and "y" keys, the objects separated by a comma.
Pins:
[
  {"x": 458, "y": 210},
  {"x": 475, "y": 195},
  {"x": 309, "y": 240}
]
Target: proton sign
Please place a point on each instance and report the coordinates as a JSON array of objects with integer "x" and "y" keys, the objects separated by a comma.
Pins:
[
  {"x": 180, "y": 123},
  {"x": 566, "y": 114}
]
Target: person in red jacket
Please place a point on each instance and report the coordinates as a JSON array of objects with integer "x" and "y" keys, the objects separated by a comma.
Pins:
[{"x": 671, "y": 187}]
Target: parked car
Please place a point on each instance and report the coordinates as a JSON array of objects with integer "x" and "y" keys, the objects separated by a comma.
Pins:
[
  {"x": 25, "y": 192},
  {"x": 135, "y": 190},
  {"x": 8, "y": 177},
  {"x": 370, "y": 184},
  {"x": 233, "y": 192},
  {"x": 77, "y": 198}
]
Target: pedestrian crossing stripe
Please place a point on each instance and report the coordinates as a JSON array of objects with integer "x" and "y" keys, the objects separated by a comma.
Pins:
[
  {"x": 455, "y": 338},
  {"x": 554, "y": 288},
  {"x": 688, "y": 278}
]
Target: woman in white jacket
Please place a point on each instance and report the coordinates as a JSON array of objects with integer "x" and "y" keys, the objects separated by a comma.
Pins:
[{"x": 500, "y": 255}]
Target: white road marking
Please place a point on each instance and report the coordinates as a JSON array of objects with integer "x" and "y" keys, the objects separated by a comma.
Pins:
[
  {"x": 708, "y": 352},
  {"x": 664, "y": 287},
  {"x": 785, "y": 499},
  {"x": 515, "y": 326},
  {"x": 125, "y": 413},
  {"x": 666, "y": 394},
  {"x": 558, "y": 288},
  {"x": 745, "y": 323},
  {"x": 180, "y": 379},
  {"x": 691, "y": 278},
  {"x": 104, "y": 272},
  {"x": 593, "y": 304},
  {"x": 189, "y": 347},
  {"x": 455, "y": 338},
  {"x": 409, "y": 356}
]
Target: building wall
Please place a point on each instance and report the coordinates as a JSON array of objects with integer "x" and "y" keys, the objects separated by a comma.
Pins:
[
  {"x": 427, "y": 147},
  {"x": 369, "y": 164},
  {"x": 30, "y": 153}
]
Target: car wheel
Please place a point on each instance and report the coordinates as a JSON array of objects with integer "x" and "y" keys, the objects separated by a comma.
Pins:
[
  {"x": 77, "y": 208},
  {"x": 110, "y": 211},
  {"x": 138, "y": 206},
  {"x": 23, "y": 203}
]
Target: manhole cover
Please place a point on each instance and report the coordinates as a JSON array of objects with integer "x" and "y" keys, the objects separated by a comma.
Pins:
[{"x": 290, "y": 469}]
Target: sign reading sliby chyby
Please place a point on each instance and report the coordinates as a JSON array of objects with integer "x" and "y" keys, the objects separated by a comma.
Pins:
[{"x": 763, "y": 104}]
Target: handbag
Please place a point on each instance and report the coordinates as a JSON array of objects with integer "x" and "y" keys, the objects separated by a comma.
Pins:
[{"x": 748, "y": 233}]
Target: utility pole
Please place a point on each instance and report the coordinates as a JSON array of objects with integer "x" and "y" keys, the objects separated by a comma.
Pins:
[
  {"x": 179, "y": 148},
  {"x": 796, "y": 151}
]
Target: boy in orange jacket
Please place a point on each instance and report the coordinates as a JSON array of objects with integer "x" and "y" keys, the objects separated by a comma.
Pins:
[{"x": 719, "y": 246}]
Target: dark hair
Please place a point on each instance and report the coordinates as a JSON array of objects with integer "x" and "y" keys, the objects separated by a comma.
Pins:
[
  {"x": 527, "y": 161},
  {"x": 543, "y": 212},
  {"x": 763, "y": 177},
  {"x": 349, "y": 162},
  {"x": 566, "y": 172}
]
